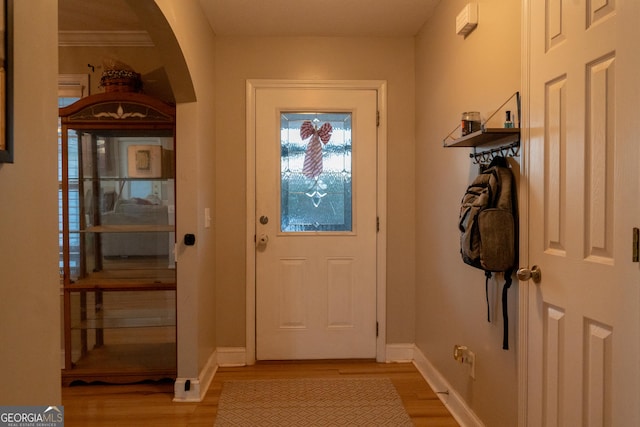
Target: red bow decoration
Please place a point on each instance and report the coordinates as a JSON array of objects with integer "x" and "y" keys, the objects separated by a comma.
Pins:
[{"x": 312, "y": 167}]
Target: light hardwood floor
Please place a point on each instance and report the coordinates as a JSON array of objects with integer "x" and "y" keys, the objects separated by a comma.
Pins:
[{"x": 151, "y": 404}]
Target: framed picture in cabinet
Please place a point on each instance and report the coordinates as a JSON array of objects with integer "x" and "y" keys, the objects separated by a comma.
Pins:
[
  {"x": 6, "y": 81},
  {"x": 144, "y": 161}
]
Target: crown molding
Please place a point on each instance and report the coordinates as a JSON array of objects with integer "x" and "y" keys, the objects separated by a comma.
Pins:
[{"x": 104, "y": 38}]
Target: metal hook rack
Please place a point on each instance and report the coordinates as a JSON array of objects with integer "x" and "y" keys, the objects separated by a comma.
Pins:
[{"x": 485, "y": 157}]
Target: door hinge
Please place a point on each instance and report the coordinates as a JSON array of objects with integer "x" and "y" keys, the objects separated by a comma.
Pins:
[
  {"x": 635, "y": 256},
  {"x": 376, "y": 329},
  {"x": 377, "y": 118},
  {"x": 377, "y": 224}
]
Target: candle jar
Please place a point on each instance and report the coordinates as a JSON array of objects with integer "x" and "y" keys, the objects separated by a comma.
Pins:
[{"x": 470, "y": 122}]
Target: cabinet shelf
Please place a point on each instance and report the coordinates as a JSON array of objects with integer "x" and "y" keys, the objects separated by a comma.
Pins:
[
  {"x": 120, "y": 285},
  {"x": 124, "y": 363},
  {"x": 149, "y": 321},
  {"x": 129, "y": 228},
  {"x": 127, "y": 280},
  {"x": 122, "y": 179}
]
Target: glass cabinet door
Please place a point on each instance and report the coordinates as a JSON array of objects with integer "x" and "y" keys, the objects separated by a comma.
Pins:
[
  {"x": 121, "y": 206},
  {"x": 121, "y": 331}
]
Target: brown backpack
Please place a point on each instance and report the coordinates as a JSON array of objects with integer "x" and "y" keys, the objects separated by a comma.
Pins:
[{"x": 488, "y": 228}]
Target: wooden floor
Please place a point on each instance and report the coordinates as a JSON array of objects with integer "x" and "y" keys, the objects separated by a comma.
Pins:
[{"x": 151, "y": 404}]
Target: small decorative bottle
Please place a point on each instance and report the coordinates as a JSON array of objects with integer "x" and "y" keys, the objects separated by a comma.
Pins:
[{"x": 508, "y": 123}]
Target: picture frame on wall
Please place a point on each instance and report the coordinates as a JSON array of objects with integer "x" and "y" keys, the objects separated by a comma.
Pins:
[{"x": 6, "y": 81}]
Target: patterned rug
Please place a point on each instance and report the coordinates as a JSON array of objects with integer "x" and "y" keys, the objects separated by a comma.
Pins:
[{"x": 311, "y": 402}]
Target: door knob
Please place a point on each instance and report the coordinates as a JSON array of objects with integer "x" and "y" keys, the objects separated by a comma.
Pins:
[
  {"x": 262, "y": 240},
  {"x": 525, "y": 274}
]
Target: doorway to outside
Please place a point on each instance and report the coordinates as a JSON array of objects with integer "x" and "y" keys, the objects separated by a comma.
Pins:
[{"x": 316, "y": 225}]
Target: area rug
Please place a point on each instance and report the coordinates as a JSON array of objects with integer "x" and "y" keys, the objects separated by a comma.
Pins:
[{"x": 311, "y": 402}]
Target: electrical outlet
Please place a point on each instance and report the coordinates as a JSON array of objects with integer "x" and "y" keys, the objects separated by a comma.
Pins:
[
  {"x": 466, "y": 357},
  {"x": 471, "y": 361},
  {"x": 458, "y": 353}
]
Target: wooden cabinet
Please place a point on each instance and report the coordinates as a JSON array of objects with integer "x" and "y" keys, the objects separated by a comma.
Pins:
[{"x": 118, "y": 238}]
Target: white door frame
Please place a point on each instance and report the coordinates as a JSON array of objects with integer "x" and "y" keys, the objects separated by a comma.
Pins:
[
  {"x": 381, "y": 256},
  {"x": 523, "y": 215}
]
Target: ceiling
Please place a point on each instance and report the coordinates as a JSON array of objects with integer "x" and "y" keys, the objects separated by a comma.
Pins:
[
  {"x": 354, "y": 18},
  {"x": 92, "y": 15}
]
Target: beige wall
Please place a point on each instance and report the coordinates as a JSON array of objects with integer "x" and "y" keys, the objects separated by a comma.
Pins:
[
  {"x": 239, "y": 59},
  {"x": 195, "y": 182},
  {"x": 29, "y": 278},
  {"x": 454, "y": 74}
]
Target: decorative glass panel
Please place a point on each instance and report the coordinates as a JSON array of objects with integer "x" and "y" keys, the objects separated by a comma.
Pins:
[{"x": 315, "y": 172}]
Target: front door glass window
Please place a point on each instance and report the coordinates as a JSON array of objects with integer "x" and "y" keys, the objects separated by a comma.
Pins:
[{"x": 315, "y": 184}]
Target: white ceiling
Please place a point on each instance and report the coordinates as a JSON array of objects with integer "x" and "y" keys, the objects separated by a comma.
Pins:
[
  {"x": 267, "y": 17},
  {"x": 318, "y": 17}
]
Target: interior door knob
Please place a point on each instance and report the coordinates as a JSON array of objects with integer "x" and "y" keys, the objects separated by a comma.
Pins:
[{"x": 525, "y": 274}]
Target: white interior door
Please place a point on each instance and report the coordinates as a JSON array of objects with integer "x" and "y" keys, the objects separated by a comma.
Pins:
[
  {"x": 583, "y": 324},
  {"x": 316, "y": 185}
]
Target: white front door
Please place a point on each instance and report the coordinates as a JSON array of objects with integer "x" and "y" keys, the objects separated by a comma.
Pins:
[
  {"x": 583, "y": 316},
  {"x": 316, "y": 228}
]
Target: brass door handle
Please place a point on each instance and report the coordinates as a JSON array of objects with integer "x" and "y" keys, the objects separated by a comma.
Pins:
[{"x": 534, "y": 273}]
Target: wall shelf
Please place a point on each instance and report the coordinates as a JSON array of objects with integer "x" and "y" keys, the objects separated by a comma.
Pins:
[
  {"x": 496, "y": 140},
  {"x": 486, "y": 137}
]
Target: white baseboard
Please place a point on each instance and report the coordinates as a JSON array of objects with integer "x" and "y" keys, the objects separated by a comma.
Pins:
[
  {"x": 232, "y": 356},
  {"x": 400, "y": 353},
  {"x": 197, "y": 387},
  {"x": 452, "y": 400}
]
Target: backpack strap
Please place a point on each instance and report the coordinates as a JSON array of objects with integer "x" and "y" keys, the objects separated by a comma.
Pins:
[
  {"x": 487, "y": 276},
  {"x": 505, "y": 313}
]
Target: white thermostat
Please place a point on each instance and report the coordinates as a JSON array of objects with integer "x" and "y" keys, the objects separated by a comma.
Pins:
[{"x": 467, "y": 20}]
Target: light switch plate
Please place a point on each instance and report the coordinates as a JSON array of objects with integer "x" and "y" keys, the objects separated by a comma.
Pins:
[{"x": 207, "y": 217}]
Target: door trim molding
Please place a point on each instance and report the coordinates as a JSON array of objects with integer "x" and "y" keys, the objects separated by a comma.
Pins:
[
  {"x": 523, "y": 215},
  {"x": 380, "y": 86}
]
